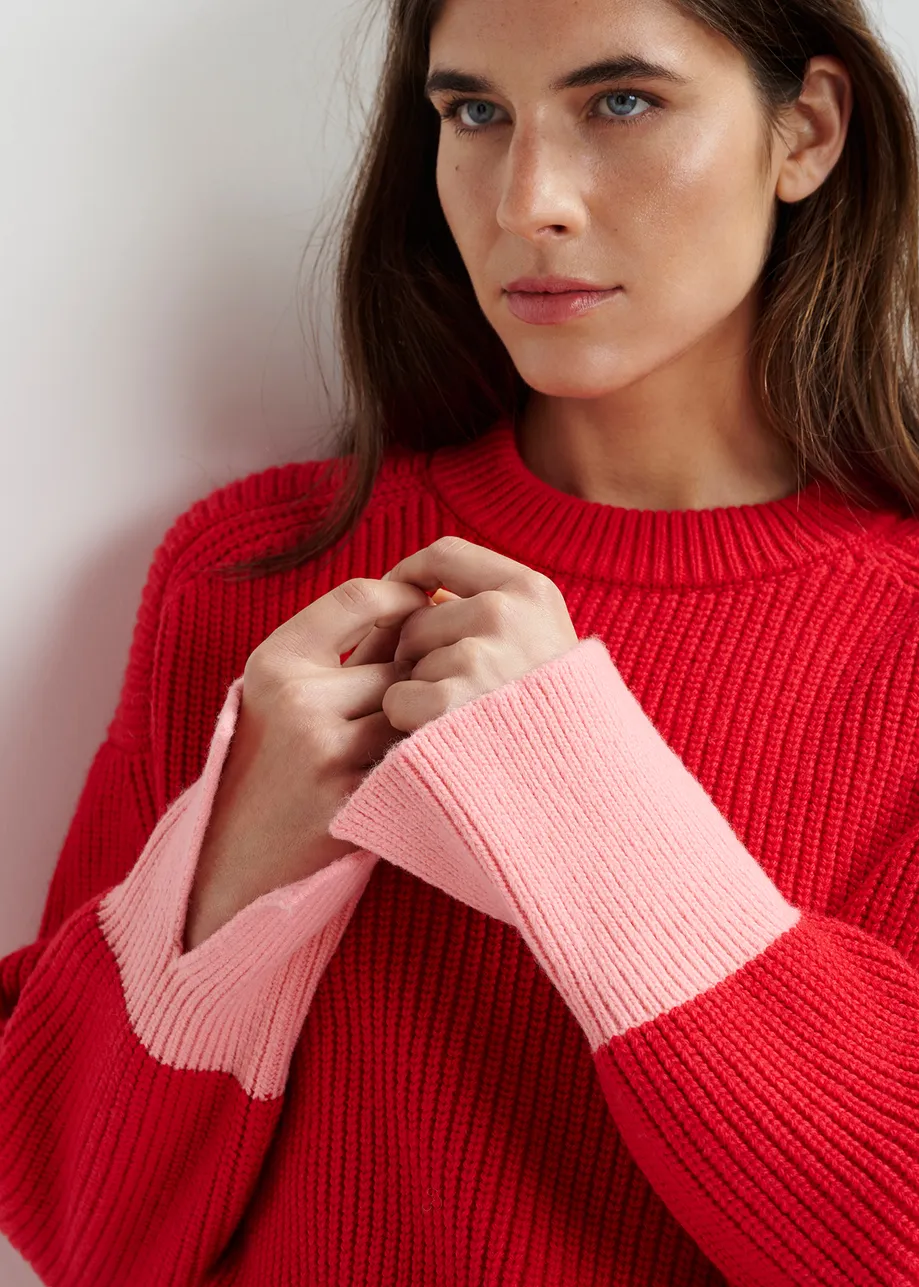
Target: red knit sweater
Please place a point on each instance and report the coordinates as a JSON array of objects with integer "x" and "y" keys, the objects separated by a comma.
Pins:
[{"x": 621, "y": 986}]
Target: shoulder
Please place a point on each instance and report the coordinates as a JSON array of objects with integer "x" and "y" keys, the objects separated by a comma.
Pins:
[
  {"x": 245, "y": 518},
  {"x": 233, "y": 523}
]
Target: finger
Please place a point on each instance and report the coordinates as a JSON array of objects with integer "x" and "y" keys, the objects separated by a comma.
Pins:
[
  {"x": 427, "y": 631},
  {"x": 378, "y": 645},
  {"x": 357, "y": 696},
  {"x": 333, "y": 625},
  {"x": 471, "y": 568}
]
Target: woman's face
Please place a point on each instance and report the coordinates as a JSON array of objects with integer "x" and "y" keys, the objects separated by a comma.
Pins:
[{"x": 651, "y": 184}]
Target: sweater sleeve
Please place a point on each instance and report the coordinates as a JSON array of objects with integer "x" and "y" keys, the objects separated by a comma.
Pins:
[
  {"x": 139, "y": 1085},
  {"x": 760, "y": 1062}
]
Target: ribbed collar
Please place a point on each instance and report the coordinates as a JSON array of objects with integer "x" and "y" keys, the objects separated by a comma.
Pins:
[{"x": 490, "y": 489}]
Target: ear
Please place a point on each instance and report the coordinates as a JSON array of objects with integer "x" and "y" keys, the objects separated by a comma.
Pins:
[{"x": 814, "y": 129}]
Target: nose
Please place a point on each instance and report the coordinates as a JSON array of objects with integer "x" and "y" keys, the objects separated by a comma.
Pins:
[{"x": 541, "y": 192}]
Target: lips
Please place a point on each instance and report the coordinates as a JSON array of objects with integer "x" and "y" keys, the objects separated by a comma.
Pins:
[
  {"x": 548, "y": 308},
  {"x": 554, "y": 285}
]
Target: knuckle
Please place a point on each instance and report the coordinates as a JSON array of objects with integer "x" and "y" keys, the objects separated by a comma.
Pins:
[
  {"x": 263, "y": 668},
  {"x": 307, "y": 715},
  {"x": 542, "y": 588},
  {"x": 282, "y": 681},
  {"x": 355, "y": 593},
  {"x": 497, "y": 609},
  {"x": 327, "y": 743},
  {"x": 470, "y": 649},
  {"x": 447, "y": 543}
]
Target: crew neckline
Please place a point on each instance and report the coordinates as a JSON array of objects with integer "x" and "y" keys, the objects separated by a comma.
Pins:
[{"x": 491, "y": 490}]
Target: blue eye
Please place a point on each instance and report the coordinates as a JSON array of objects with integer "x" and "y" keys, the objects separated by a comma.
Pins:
[
  {"x": 624, "y": 94},
  {"x": 480, "y": 107},
  {"x": 476, "y": 115}
]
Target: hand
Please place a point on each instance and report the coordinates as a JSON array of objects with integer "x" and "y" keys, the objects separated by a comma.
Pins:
[
  {"x": 504, "y": 620},
  {"x": 308, "y": 730}
]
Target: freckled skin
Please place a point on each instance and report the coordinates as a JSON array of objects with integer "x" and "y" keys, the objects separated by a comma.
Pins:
[{"x": 674, "y": 207}]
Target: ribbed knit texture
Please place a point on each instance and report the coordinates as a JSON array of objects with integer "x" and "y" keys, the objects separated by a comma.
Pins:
[{"x": 621, "y": 986}]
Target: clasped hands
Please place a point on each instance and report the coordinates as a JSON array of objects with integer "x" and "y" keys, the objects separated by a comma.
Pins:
[{"x": 500, "y": 620}]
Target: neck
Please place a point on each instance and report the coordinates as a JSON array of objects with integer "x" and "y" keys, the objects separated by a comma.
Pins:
[{"x": 689, "y": 436}]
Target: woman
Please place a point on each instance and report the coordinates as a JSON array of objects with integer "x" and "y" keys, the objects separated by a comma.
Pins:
[{"x": 636, "y": 1002}]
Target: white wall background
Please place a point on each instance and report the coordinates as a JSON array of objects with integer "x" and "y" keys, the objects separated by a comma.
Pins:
[{"x": 163, "y": 168}]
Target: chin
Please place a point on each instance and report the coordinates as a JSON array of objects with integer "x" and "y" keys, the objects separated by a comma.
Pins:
[
  {"x": 568, "y": 366},
  {"x": 566, "y": 381}
]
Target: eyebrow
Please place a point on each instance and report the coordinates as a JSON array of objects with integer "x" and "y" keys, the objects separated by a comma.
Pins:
[{"x": 627, "y": 66}]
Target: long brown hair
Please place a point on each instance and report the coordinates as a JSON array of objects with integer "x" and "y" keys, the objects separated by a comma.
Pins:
[{"x": 835, "y": 348}]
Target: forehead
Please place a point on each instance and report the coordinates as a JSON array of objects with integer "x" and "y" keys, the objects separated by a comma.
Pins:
[
  {"x": 543, "y": 39},
  {"x": 476, "y": 22}
]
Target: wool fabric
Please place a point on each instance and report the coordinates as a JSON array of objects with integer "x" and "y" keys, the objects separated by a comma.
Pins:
[{"x": 620, "y": 984}]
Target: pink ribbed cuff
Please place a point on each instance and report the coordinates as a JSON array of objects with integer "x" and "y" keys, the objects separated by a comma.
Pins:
[
  {"x": 236, "y": 1002},
  {"x": 554, "y": 803}
]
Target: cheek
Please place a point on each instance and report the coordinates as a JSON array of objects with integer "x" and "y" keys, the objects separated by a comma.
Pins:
[
  {"x": 694, "y": 227},
  {"x": 461, "y": 194},
  {"x": 468, "y": 198}
]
